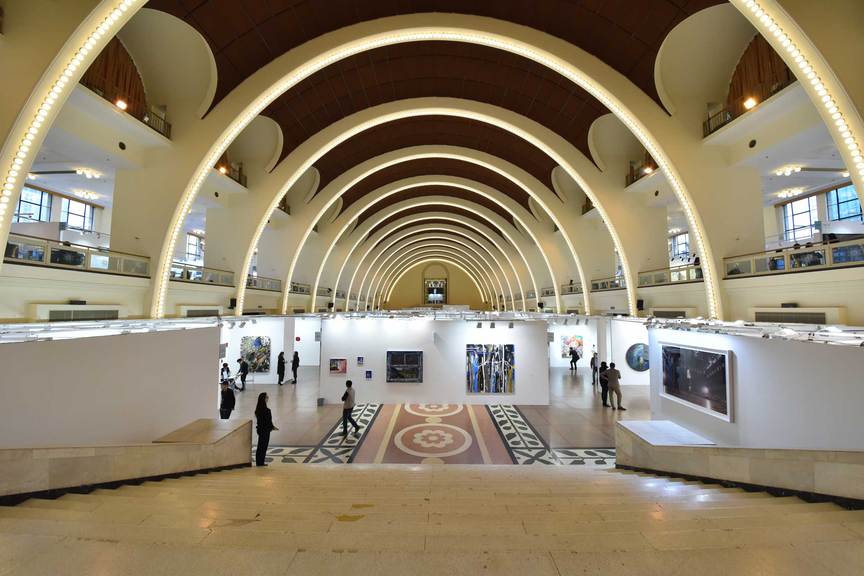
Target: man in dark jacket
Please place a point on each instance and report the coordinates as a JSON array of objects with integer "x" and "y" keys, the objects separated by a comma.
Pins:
[
  {"x": 243, "y": 372},
  {"x": 227, "y": 405}
]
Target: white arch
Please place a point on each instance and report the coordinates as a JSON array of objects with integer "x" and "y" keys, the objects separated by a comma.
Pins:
[{"x": 441, "y": 259}]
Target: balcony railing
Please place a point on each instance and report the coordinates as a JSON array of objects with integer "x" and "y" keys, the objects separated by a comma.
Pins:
[
  {"x": 300, "y": 288},
  {"x": 324, "y": 291},
  {"x": 674, "y": 275},
  {"x": 571, "y": 289},
  {"x": 637, "y": 172},
  {"x": 736, "y": 108},
  {"x": 531, "y": 294},
  {"x": 547, "y": 292},
  {"x": 806, "y": 258},
  {"x": 184, "y": 272},
  {"x": 232, "y": 172},
  {"x": 112, "y": 93},
  {"x": 611, "y": 283},
  {"x": 21, "y": 249},
  {"x": 340, "y": 294},
  {"x": 264, "y": 283}
]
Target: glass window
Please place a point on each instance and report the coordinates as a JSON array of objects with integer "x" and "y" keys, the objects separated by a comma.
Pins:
[
  {"x": 253, "y": 266},
  {"x": 679, "y": 246},
  {"x": 843, "y": 204},
  {"x": 194, "y": 248},
  {"x": 799, "y": 217},
  {"x": 33, "y": 206},
  {"x": 76, "y": 214}
]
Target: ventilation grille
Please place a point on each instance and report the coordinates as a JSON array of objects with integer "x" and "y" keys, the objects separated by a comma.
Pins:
[
  {"x": 199, "y": 312},
  {"x": 792, "y": 317},
  {"x": 77, "y": 315}
]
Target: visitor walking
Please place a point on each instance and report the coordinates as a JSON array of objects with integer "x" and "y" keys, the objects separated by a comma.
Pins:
[
  {"x": 347, "y": 408},
  {"x": 613, "y": 377},
  {"x": 227, "y": 404},
  {"x": 264, "y": 426},
  {"x": 574, "y": 358},
  {"x": 243, "y": 371},
  {"x": 604, "y": 383},
  {"x": 295, "y": 364},
  {"x": 280, "y": 367},
  {"x": 225, "y": 373},
  {"x": 594, "y": 369}
]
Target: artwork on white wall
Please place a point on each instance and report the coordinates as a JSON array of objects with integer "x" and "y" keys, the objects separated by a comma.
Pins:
[
  {"x": 572, "y": 341},
  {"x": 404, "y": 366},
  {"x": 699, "y": 378},
  {"x": 637, "y": 357},
  {"x": 256, "y": 351},
  {"x": 490, "y": 368},
  {"x": 338, "y": 366}
]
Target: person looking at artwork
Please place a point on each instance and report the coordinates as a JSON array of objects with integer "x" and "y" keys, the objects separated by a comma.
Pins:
[
  {"x": 613, "y": 379},
  {"x": 295, "y": 364},
  {"x": 227, "y": 404},
  {"x": 604, "y": 383},
  {"x": 243, "y": 371},
  {"x": 263, "y": 426},
  {"x": 574, "y": 358},
  {"x": 280, "y": 367},
  {"x": 594, "y": 369},
  {"x": 347, "y": 408}
]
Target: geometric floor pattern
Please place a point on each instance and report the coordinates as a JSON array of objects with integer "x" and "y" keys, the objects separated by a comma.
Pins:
[{"x": 441, "y": 434}]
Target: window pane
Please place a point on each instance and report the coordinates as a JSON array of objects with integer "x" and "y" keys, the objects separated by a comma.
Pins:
[
  {"x": 846, "y": 193},
  {"x": 850, "y": 209},
  {"x": 30, "y": 195}
]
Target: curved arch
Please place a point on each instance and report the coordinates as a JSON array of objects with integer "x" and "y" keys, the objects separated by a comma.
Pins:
[
  {"x": 522, "y": 217},
  {"x": 483, "y": 267},
  {"x": 428, "y": 231},
  {"x": 422, "y": 259}
]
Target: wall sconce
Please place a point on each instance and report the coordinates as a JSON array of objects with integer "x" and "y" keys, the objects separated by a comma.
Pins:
[
  {"x": 647, "y": 170},
  {"x": 121, "y": 104},
  {"x": 750, "y": 103},
  {"x": 222, "y": 170}
]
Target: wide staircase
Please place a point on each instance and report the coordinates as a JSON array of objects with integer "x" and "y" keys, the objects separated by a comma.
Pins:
[{"x": 428, "y": 520}]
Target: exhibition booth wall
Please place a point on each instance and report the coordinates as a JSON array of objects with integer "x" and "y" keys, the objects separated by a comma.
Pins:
[
  {"x": 579, "y": 331},
  {"x": 624, "y": 336},
  {"x": 448, "y": 348},
  {"x": 781, "y": 393},
  {"x": 125, "y": 388}
]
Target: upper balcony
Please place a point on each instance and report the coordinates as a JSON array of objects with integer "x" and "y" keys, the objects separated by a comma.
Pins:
[
  {"x": 810, "y": 257},
  {"x": 33, "y": 251},
  {"x": 103, "y": 87}
]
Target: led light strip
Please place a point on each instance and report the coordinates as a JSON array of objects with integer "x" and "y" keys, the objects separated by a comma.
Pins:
[
  {"x": 53, "y": 89},
  {"x": 817, "y": 77}
]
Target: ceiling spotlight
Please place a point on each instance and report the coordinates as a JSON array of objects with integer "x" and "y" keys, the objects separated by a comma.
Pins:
[
  {"x": 243, "y": 324},
  {"x": 121, "y": 104},
  {"x": 510, "y": 325},
  {"x": 491, "y": 325},
  {"x": 787, "y": 170},
  {"x": 750, "y": 103},
  {"x": 85, "y": 194},
  {"x": 845, "y": 174},
  {"x": 479, "y": 325},
  {"x": 87, "y": 173}
]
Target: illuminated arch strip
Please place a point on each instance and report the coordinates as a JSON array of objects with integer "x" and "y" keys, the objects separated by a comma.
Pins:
[
  {"x": 412, "y": 263},
  {"x": 474, "y": 229},
  {"x": 428, "y": 232},
  {"x": 438, "y": 246},
  {"x": 420, "y": 181}
]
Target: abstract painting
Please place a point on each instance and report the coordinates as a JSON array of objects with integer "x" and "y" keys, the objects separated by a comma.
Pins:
[
  {"x": 637, "y": 357},
  {"x": 368, "y": 374},
  {"x": 338, "y": 366},
  {"x": 256, "y": 351},
  {"x": 572, "y": 341},
  {"x": 490, "y": 368},
  {"x": 404, "y": 366},
  {"x": 698, "y": 378},
  {"x": 360, "y": 360}
]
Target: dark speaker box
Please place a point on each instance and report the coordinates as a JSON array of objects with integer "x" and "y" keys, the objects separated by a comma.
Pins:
[
  {"x": 640, "y": 304},
  {"x": 232, "y": 304}
]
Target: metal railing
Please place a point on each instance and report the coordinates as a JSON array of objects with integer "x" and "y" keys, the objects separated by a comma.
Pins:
[
  {"x": 233, "y": 173},
  {"x": 674, "y": 275},
  {"x": 805, "y": 258},
  {"x": 110, "y": 92},
  {"x": 324, "y": 291},
  {"x": 300, "y": 288},
  {"x": 531, "y": 294},
  {"x": 611, "y": 283},
  {"x": 736, "y": 108},
  {"x": 639, "y": 171},
  {"x": 264, "y": 283},
  {"x": 571, "y": 289},
  {"x": 184, "y": 272},
  {"x": 547, "y": 292},
  {"x": 340, "y": 294},
  {"x": 22, "y": 249}
]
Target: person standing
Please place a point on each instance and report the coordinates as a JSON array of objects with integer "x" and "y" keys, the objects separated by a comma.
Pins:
[
  {"x": 347, "y": 408},
  {"x": 295, "y": 364},
  {"x": 227, "y": 404},
  {"x": 243, "y": 371},
  {"x": 263, "y": 426},
  {"x": 604, "y": 383},
  {"x": 280, "y": 367},
  {"x": 574, "y": 358},
  {"x": 613, "y": 377},
  {"x": 594, "y": 369},
  {"x": 225, "y": 373}
]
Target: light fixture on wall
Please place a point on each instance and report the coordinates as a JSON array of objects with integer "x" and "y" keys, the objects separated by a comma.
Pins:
[
  {"x": 790, "y": 192},
  {"x": 647, "y": 170},
  {"x": 750, "y": 103},
  {"x": 222, "y": 170},
  {"x": 787, "y": 170},
  {"x": 121, "y": 104}
]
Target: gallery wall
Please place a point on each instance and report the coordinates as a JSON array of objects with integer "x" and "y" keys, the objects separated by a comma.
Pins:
[
  {"x": 575, "y": 327},
  {"x": 624, "y": 333},
  {"x": 308, "y": 348},
  {"x": 127, "y": 388},
  {"x": 272, "y": 328},
  {"x": 785, "y": 394},
  {"x": 444, "y": 365}
]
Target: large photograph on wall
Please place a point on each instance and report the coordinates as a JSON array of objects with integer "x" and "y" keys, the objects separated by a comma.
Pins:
[
  {"x": 698, "y": 378},
  {"x": 571, "y": 341},
  {"x": 404, "y": 366},
  {"x": 256, "y": 351},
  {"x": 490, "y": 368}
]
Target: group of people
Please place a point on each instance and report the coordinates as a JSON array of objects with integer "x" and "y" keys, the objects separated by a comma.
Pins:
[
  {"x": 229, "y": 384},
  {"x": 609, "y": 379}
]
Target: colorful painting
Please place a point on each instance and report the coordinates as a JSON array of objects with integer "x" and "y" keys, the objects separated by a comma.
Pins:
[
  {"x": 404, "y": 366},
  {"x": 637, "y": 357},
  {"x": 490, "y": 368},
  {"x": 698, "y": 378},
  {"x": 256, "y": 351},
  {"x": 338, "y": 366},
  {"x": 572, "y": 341}
]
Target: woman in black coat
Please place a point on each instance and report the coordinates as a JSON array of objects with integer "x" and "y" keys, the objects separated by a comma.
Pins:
[
  {"x": 280, "y": 367},
  {"x": 264, "y": 427},
  {"x": 295, "y": 363}
]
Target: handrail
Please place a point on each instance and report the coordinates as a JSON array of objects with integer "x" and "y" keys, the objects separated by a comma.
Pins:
[
  {"x": 23, "y": 249},
  {"x": 671, "y": 275},
  {"x": 567, "y": 289},
  {"x": 300, "y": 288},
  {"x": 324, "y": 291},
  {"x": 233, "y": 173},
  {"x": 185, "y": 272},
  {"x": 263, "y": 283},
  {"x": 547, "y": 292},
  {"x": 736, "y": 108},
  {"x": 810, "y": 257},
  {"x": 609, "y": 283},
  {"x": 74, "y": 245}
]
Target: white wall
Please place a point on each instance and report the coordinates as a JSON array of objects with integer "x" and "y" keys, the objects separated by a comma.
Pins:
[
  {"x": 443, "y": 345},
  {"x": 585, "y": 328},
  {"x": 623, "y": 333},
  {"x": 275, "y": 329},
  {"x": 784, "y": 394},
  {"x": 128, "y": 388},
  {"x": 307, "y": 347}
]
